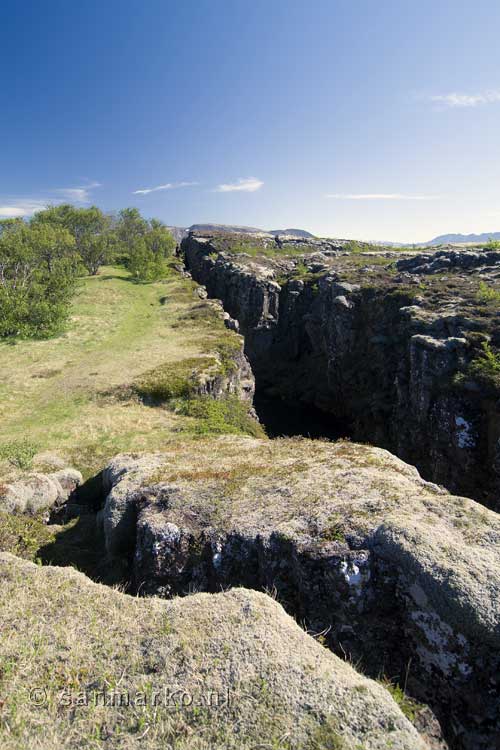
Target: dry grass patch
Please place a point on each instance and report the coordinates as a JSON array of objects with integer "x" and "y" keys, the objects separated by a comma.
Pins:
[
  {"x": 73, "y": 395},
  {"x": 228, "y": 671}
]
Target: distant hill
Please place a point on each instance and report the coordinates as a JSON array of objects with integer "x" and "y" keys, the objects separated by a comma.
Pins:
[
  {"x": 225, "y": 228},
  {"x": 455, "y": 239},
  {"x": 301, "y": 233},
  {"x": 178, "y": 233}
]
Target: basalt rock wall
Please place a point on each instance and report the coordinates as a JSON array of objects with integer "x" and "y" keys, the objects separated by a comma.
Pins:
[{"x": 371, "y": 356}]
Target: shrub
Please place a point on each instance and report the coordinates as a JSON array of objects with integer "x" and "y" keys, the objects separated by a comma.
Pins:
[
  {"x": 486, "y": 367},
  {"x": 492, "y": 245},
  {"x": 37, "y": 277},
  {"x": 19, "y": 453},
  {"x": 145, "y": 265},
  {"x": 352, "y": 246},
  {"x": 486, "y": 294},
  {"x": 148, "y": 245},
  {"x": 90, "y": 228}
]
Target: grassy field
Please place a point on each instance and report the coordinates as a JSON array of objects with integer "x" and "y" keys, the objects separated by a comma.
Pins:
[{"x": 69, "y": 396}]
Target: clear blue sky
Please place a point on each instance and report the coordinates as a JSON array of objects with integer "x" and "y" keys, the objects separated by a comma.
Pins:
[{"x": 391, "y": 108}]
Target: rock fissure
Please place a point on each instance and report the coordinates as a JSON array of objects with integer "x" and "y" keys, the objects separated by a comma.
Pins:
[{"x": 383, "y": 360}]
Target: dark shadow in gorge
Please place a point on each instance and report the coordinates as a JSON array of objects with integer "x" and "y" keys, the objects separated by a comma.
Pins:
[{"x": 282, "y": 418}]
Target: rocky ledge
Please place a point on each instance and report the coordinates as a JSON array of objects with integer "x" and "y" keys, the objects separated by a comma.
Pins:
[
  {"x": 400, "y": 353},
  {"x": 396, "y": 574}
]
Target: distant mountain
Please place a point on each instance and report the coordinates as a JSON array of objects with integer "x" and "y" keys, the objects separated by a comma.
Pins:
[
  {"x": 455, "y": 239},
  {"x": 300, "y": 233},
  {"x": 225, "y": 228},
  {"x": 178, "y": 232}
]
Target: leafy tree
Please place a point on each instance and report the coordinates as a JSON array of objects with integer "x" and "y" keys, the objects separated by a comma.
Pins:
[
  {"x": 159, "y": 239},
  {"x": 37, "y": 277},
  {"x": 148, "y": 244},
  {"x": 131, "y": 226},
  {"x": 95, "y": 250},
  {"x": 145, "y": 264},
  {"x": 8, "y": 224},
  {"x": 52, "y": 244},
  {"x": 90, "y": 227}
]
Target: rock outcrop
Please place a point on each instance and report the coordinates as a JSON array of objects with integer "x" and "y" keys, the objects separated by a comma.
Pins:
[
  {"x": 39, "y": 492},
  {"x": 383, "y": 353},
  {"x": 397, "y": 574},
  {"x": 446, "y": 260},
  {"x": 89, "y": 666}
]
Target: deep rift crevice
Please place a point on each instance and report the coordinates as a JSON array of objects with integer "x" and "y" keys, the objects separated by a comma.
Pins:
[{"x": 381, "y": 362}]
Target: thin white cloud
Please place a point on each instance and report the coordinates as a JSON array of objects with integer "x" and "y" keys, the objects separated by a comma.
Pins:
[
  {"x": 467, "y": 100},
  {"x": 167, "y": 186},
  {"x": 19, "y": 209},
  {"x": 244, "y": 185},
  {"x": 78, "y": 194},
  {"x": 382, "y": 197}
]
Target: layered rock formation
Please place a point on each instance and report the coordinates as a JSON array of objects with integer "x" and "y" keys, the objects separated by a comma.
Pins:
[
  {"x": 397, "y": 574},
  {"x": 374, "y": 346},
  {"x": 228, "y": 671}
]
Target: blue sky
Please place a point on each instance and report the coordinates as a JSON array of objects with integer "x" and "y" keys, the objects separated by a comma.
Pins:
[{"x": 351, "y": 118}]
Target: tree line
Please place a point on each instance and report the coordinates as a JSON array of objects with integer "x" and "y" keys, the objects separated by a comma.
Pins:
[{"x": 41, "y": 260}]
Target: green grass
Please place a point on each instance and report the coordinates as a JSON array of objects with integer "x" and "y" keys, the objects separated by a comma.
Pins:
[
  {"x": 254, "y": 248},
  {"x": 73, "y": 395},
  {"x": 408, "y": 706},
  {"x": 173, "y": 379},
  {"x": 24, "y": 535},
  {"x": 225, "y": 416}
]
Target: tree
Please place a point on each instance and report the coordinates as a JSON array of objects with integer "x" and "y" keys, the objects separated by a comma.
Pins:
[
  {"x": 95, "y": 250},
  {"x": 130, "y": 227},
  {"x": 8, "y": 224},
  {"x": 145, "y": 264},
  {"x": 159, "y": 239},
  {"x": 37, "y": 277},
  {"x": 52, "y": 244},
  {"x": 89, "y": 227},
  {"x": 147, "y": 243}
]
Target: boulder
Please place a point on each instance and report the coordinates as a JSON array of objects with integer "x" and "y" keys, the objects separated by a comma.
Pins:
[{"x": 38, "y": 492}]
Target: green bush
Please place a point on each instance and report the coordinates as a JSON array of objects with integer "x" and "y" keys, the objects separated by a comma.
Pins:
[
  {"x": 486, "y": 294},
  {"x": 486, "y": 367},
  {"x": 492, "y": 245},
  {"x": 19, "y": 453},
  {"x": 145, "y": 265},
  {"x": 38, "y": 269}
]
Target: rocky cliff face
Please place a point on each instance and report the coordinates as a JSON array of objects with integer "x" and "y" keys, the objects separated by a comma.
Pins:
[
  {"x": 374, "y": 346},
  {"x": 396, "y": 574}
]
